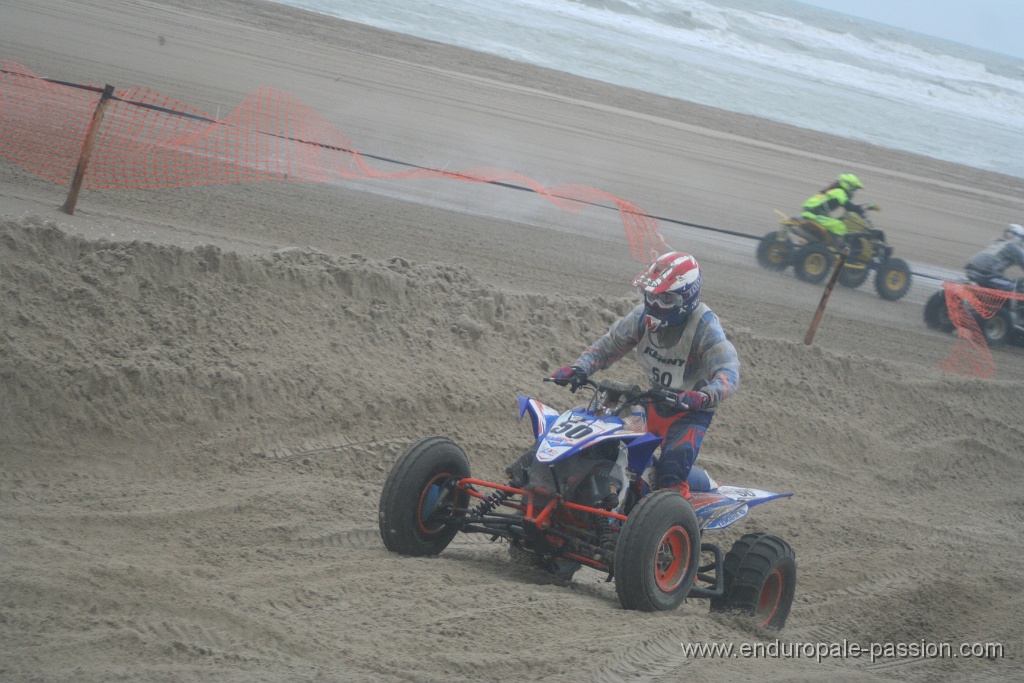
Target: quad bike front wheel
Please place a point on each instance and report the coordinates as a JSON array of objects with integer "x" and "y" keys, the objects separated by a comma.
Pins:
[
  {"x": 760, "y": 580},
  {"x": 892, "y": 280},
  {"x": 774, "y": 251},
  {"x": 853, "y": 275},
  {"x": 936, "y": 314},
  {"x": 813, "y": 262},
  {"x": 418, "y": 495},
  {"x": 658, "y": 553}
]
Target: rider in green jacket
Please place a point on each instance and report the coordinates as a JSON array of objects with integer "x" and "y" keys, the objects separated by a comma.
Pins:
[{"x": 837, "y": 195}]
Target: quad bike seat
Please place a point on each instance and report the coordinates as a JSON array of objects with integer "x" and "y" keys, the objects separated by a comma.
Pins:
[{"x": 700, "y": 480}]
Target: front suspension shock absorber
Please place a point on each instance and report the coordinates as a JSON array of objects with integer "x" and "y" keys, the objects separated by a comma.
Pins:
[
  {"x": 605, "y": 537},
  {"x": 490, "y": 501}
]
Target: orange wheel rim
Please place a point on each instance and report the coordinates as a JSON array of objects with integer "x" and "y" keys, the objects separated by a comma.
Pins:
[
  {"x": 672, "y": 559},
  {"x": 771, "y": 597},
  {"x": 428, "y": 498}
]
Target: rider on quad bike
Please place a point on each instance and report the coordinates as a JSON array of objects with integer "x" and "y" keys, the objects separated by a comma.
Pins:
[
  {"x": 1000, "y": 318},
  {"x": 682, "y": 347},
  {"x": 838, "y": 195},
  {"x": 986, "y": 268},
  {"x": 585, "y": 493},
  {"x": 812, "y": 242}
]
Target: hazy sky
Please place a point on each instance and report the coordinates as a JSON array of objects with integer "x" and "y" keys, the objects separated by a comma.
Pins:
[{"x": 996, "y": 25}]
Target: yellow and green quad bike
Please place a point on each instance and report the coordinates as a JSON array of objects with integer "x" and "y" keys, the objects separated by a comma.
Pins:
[{"x": 812, "y": 252}]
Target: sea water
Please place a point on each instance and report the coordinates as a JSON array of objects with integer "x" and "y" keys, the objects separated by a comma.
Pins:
[{"x": 777, "y": 59}]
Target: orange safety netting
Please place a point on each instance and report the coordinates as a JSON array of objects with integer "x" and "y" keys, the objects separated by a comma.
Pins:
[
  {"x": 969, "y": 306},
  {"x": 149, "y": 141}
]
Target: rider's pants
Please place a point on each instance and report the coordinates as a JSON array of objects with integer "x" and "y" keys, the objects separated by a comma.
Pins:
[
  {"x": 681, "y": 435},
  {"x": 833, "y": 225},
  {"x": 992, "y": 282}
]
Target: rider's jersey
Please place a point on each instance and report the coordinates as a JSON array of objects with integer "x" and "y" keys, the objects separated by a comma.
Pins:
[
  {"x": 996, "y": 258},
  {"x": 824, "y": 203},
  {"x": 696, "y": 355}
]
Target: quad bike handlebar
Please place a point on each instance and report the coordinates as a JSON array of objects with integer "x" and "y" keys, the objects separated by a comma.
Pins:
[{"x": 621, "y": 393}]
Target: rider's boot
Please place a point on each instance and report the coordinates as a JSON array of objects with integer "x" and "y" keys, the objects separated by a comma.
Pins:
[{"x": 682, "y": 488}]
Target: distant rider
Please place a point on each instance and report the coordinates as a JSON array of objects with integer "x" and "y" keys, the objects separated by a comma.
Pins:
[
  {"x": 681, "y": 346},
  {"x": 987, "y": 266},
  {"x": 838, "y": 195}
]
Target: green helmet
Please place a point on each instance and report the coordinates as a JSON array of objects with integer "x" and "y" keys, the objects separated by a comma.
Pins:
[{"x": 850, "y": 182}]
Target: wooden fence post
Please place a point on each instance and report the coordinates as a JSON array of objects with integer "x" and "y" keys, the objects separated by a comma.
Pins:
[
  {"x": 83, "y": 160},
  {"x": 809, "y": 337}
]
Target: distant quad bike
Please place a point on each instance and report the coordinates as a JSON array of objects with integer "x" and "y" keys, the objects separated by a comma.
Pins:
[
  {"x": 581, "y": 496},
  {"x": 812, "y": 251},
  {"x": 1005, "y": 326}
]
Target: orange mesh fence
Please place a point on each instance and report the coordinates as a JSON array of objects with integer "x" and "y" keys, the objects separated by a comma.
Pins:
[
  {"x": 969, "y": 307},
  {"x": 148, "y": 141},
  {"x": 42, "y": 124}
]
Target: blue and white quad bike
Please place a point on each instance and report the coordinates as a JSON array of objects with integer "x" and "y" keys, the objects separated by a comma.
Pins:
[{"x": 582, "y": 495}]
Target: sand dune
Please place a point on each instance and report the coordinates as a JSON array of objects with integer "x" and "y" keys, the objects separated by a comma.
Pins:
[{"x": 203, "y": 389}]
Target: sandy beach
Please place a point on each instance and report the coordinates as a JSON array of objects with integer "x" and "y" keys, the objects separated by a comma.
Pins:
[{"x": 203, "y": 388}]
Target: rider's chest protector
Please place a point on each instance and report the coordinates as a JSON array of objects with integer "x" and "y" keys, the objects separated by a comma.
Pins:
[{"x": 664, "y": 355}]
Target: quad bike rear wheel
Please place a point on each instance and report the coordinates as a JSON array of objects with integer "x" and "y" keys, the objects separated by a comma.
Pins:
[
  {"x": 759, "y": 574},
  {"x": 813, "y": 262},
  {"x": 658, "y": 553},
  {"x": 997, "y": 329},
  {"x": 560, "y": 568},
  {"x": 936, "y": 315},
  {"x": 418, "y": 495},
  {"x": 892, "y": 281},
  {"x": 774, "y": 251}
]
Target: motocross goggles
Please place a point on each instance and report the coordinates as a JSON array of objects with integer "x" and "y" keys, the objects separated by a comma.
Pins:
[{"x": 664, "y": 300}]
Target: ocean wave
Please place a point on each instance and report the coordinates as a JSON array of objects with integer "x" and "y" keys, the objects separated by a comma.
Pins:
[{"x": 780, "y": 60}]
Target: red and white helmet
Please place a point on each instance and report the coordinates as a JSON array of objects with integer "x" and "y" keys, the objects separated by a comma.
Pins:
[{"x": 671, "y": 290}]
